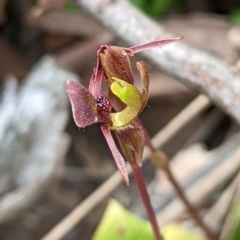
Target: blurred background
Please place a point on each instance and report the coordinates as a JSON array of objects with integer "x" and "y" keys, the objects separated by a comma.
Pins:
[{"x": 48, "y": 165}]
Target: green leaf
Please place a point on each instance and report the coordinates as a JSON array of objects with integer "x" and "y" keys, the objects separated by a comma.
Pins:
[
  {"x": 72, "y": 7},
  {"x": 236, "y": 233},
  {"x": 173, "y": 232},
  {"x": 119, "y": 224},
  {"x": 155, "y": 8},
  {"x": 235, "y": 16},
  {"x": 235, "y": 223}
]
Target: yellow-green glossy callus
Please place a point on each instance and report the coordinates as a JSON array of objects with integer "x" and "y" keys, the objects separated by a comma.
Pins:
[{"x": 129, "y": 95}]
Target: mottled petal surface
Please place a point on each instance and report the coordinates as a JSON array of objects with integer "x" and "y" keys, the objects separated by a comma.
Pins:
[
  {"x": 115, "y": 62},
  {"x": 144, "y": 74},
  {"x": 95, "y": 85},
  {"x": 131, "y": 140},
  {"x": 83, "y": 104}
]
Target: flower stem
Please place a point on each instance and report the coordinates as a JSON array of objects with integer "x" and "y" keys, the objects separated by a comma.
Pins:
[
  {"x": 160, "y": 160},
  {"x": 137, "y": 173}
]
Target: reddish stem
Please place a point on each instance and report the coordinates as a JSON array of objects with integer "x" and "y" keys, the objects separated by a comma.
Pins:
[
  {"x": 137, "y": 173},
  {"x": 163, "y": 164},
  {"x": 209, "y": 233}
]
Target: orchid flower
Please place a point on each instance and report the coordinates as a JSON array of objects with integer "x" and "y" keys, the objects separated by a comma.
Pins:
[{"x": 119, "y": 110}]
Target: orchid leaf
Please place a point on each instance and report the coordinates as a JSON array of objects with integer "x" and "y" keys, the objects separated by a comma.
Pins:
[
  {"x": 175, "y": 232},
  {"x": 119, "y": 224}
]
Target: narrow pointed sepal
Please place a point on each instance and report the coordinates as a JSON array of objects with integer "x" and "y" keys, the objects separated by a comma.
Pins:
[
  {"x": 121, "y": 165},
  {"x": 157, "y": 43}
]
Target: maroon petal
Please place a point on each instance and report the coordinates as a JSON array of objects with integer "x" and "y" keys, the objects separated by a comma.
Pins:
[
  {"x": 143, "y": 70},
  {"x": 131, "y": 140},
  {"x": 115, "y": 62},
  {"x": 95, "y": 85},
  {"x": 116, "y": 154},
  {"x": 83, "y": 104}
]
